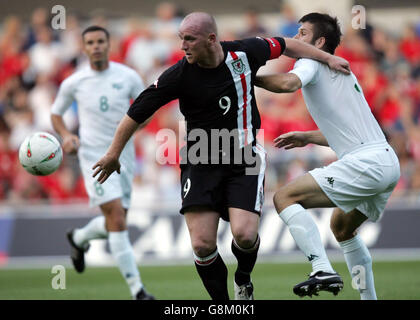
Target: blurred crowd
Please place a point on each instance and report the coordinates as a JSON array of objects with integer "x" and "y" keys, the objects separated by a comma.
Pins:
[{"x": 34, "y": 60}]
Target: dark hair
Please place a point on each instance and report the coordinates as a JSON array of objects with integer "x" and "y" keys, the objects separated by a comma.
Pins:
[
  {"x": 324, "y": 26},
  {"x": 95, "y": 28}
]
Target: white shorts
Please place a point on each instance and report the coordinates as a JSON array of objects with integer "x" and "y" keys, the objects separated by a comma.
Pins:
[
  {"x": 363, "y": 179},
  {"x": 117, "y": 186}
]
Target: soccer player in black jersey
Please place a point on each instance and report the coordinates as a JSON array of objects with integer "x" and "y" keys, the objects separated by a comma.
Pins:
[{"x": 214, "y": 83}]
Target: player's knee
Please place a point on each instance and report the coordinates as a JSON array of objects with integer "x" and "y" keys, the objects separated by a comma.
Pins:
[
  {"x": 116, "y": 221},
  {"x": 282, "y": 199},
  {"x": 278, "y": 199},
  {"x": 245, "y": 238},
  {"x": 341, "y": 233},
  {"x": 202, "y": 247}
]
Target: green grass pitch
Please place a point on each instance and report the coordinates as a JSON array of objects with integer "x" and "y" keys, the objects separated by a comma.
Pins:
[{"x": 272, "y": 281}]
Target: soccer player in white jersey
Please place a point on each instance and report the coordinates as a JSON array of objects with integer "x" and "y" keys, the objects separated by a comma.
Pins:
[
  {"x": 102, "y": 90},
  {"x": 358, "y": 184}
]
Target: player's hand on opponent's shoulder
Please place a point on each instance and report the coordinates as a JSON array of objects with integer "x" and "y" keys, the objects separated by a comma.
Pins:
[
  {"x": 291, "y": 140},
  {"x": 105, "y": 167},
  {"x": 71, "y": 143},
  {"x": 339, "y": 64}
]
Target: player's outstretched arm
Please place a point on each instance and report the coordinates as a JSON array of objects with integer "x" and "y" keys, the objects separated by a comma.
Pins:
[
  {"x": 70, "y": 141},
  {"x": 279, "y": 83},
  {"x": 109, "y": 162},
  {"x": 296, "y": 139},
  {"x": 299, "y": 49}
]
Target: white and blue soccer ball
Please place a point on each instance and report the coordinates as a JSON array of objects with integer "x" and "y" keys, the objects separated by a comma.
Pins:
[{"x": 40, "y": 154}]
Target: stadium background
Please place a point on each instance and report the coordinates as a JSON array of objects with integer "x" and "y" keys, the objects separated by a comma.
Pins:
[{"x": 35, "y": 212}]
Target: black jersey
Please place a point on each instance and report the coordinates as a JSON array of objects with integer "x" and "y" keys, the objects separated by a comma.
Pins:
[{"x": 214, "y": 98}]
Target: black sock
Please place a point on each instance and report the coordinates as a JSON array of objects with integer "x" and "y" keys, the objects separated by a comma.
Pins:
[
  {"x": 246, "y": 261},
  {"x": 213, "y": 273}
]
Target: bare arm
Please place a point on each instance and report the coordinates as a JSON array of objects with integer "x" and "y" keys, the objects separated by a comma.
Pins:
[
  {"x": 279, "y": 83},
  {"x": 296, "y": 139},
  {"x": 70, "y": 141},
  {"x": 299, "y": 49},
  {"x": 316, "y": 137},
  {"x": 109, "y": 162}
]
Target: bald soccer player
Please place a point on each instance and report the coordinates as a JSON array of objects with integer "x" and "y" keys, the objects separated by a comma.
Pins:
[{"x": 214, "y": 83}]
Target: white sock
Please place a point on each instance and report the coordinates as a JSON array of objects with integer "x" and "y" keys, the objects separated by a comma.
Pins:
[
  {"x": 122, "y": 251},
  {"x": 95, "y": 229},
  {"x": 305, "y": 232},
  {"x": 359, "y": 263}
]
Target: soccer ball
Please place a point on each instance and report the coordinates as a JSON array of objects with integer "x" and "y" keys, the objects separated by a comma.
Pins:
[{"x": 40, "y": 154}]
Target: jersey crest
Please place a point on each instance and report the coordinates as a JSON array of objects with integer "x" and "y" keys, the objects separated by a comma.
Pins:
[
  {"x": 238, "y": 66},
  {"x": 117, "y": 86}
]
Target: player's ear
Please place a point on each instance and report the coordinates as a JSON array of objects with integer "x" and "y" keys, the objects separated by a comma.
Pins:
[
  {"x": 319, "y": 43},
  {"x": 212, "y": 38}
]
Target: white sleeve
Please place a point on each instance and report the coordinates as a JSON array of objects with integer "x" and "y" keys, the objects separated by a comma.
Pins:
[
  {"x": 306, "y": 70},
  {"x": 137, "y": 85},
  {"x": 64, "y": 98}
]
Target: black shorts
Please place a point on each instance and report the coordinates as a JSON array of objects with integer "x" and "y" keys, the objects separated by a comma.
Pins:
[{"x": 220, "y": 187}]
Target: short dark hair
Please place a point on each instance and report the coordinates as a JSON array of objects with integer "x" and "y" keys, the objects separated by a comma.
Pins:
[
  {"x": 324, "y": 26},
  {"x": 95, "y": 28}
]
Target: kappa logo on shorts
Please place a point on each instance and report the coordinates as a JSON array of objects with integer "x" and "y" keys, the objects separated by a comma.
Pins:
[
  {"x": 187, "y": 187},
  {"x": 330, "y": 181}
]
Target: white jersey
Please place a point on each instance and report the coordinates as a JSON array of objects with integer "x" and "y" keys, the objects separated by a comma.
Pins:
[
  {"x": 338, "y": 107},
  {"x": 103, "y": 98}
]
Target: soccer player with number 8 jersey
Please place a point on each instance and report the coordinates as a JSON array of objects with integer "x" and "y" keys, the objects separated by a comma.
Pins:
[{"x": 102, "y": 91}]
